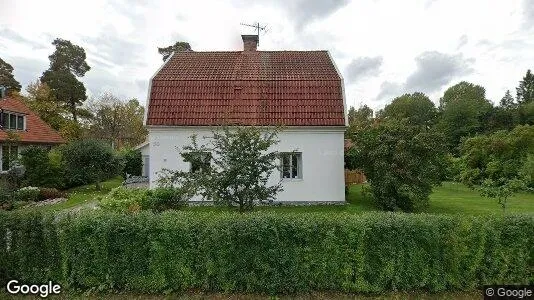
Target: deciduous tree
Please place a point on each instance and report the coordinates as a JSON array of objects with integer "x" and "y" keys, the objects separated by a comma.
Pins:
[
  {"x": 233, "y": 167},
  {"x": 417, "y": 109}
]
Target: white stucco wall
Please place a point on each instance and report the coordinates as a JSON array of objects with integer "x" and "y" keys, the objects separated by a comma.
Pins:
[{"x": 322, "y": 160}]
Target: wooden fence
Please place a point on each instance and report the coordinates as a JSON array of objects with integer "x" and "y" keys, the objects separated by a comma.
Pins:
[{"x": 354, "y": 177}]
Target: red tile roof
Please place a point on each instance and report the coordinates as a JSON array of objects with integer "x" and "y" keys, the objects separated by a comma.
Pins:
[
  {"x": 37, "y": 131},
  {"x": 292, "y": 88}
]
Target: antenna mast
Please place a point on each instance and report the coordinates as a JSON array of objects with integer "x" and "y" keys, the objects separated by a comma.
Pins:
[{"x": 258, "y": 28}]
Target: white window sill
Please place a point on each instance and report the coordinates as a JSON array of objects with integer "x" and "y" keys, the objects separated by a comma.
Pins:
[{"x": 292, "y": 179}]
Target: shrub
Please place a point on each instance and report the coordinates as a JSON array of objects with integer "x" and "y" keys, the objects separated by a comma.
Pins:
[
  {"x": 163, "y": 198},
  {"x": 50, "y": 193},
  {"x": 266, "y": 252},
  {"x": 43, "y": 167},
  {"x": 6, "y": 198},
  {"x": 88, "y": 161},
  {"x": 28, "y": 193},
  {"x": 132, "y": 161},
  {"x": 401, "y": 163},
  {"x": 122, "y": 198}
]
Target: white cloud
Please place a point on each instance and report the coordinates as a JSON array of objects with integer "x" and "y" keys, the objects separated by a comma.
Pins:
[{"x": 121, "y": 39}]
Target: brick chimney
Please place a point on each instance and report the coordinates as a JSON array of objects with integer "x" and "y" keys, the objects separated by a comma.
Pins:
[{"x": 250, "y": 42}]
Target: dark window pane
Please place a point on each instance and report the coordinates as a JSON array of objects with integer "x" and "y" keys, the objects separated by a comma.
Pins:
[
  {"x": 5, "y": 158},
  {"x": 20, "y": 122},
  {"x": 286, "y": 166},
  {"x": 12, "y": 121},
  {"x": 5, "y": 120},
  {"x": 294, "y": 166}
]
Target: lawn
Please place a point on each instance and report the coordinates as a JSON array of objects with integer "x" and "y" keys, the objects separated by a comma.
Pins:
[
  {"x": 450, "y": 197},
  {"x": 84, "y": 195}
]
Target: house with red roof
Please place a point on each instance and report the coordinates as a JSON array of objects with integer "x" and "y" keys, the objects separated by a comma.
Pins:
[
  {"x": 299, "y": 90},
  {"x": 20, "y": 128}
]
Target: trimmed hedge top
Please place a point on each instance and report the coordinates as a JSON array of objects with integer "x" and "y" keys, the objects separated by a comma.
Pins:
[{"x": 267, "y": 252}]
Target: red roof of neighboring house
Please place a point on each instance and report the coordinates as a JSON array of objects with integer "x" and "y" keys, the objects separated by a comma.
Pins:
[
  {"x": 292, "y": 88},
  {"x": 37, "y": 131}
]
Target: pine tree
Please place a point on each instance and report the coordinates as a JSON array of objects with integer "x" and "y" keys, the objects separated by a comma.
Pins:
[
  {"x": 7, "y": 79},
  {"x": 525, "y": 90}
]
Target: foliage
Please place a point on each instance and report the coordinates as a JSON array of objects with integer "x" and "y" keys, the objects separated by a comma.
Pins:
[
  {"x": 525, "y": 90},
  {"x": 133, "y": 162},
  {"x": 401, "y": 163},
  {"x": 28, "y": 193},
  {"x": 66, "y": 64},
  {"x": 41, "y": 101},
  {"x": 89, "y": 161},
  {"x": 239, "y": 164},
  {"x": 163, "y": 198},
  {"x": 465, "y": 111},
  {"x": 120, "y": 123},
  {"x": 7, "y": 79},
  {"x": 526, "y": 113},
  {"x": 496, "y": 162},
  {"x": 360, "y": 118},
  {"x": 177, "y": 47},
  {"x": 506, "y": 115},
  {"x": 41, "y": 169},
  {"x": 122, "y": 198},
  {"x": 6, "y": 198},
  {"x": 265, "y": 252},
  {"x": 50, "y": 193},
  {"x": 416, "y": 109}
]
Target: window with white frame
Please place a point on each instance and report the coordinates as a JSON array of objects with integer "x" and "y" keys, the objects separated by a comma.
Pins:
[
  {"x": 10, "y": 153},
  {"x": 13, "y": 121},
  {"x": 198, "y": 161},
  {"x": 291, "y": 167}
]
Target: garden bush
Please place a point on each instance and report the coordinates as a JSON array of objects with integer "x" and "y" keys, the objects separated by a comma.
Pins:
[
  {"x": 28, "y": 193},
  {"x": 265, "y": 252},
  {"x": 132, "y": 161},
  {"x": 158, "y": 199},
  {"x": 89, "y": 161},
  {"x": 43, "y": 167}
]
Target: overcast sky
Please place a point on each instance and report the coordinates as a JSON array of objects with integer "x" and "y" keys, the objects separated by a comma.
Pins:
[{"x": 383, "y": 48}]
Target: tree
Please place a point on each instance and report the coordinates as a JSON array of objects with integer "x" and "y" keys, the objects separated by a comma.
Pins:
[
  {"x": 89, "y": 161},
  {"x": 499, "y": 164},
  {"x": 401, "y": 163},
  {"x": 41, "y": 100},
  {"x": 119, "y": 123},
  {"x": 416, "y": 109},
  {"x": 231, "y": 169},
  {"x": 506, "y": 115},
  {"x": 525, "y": 90},
  {"x": 178, "y": 46},
  {"x": 66, "y": 64},
  {"x": 7, "y": 79},
  {"x": 465, "y": 111},
  {"x": 359, "y": 118}
]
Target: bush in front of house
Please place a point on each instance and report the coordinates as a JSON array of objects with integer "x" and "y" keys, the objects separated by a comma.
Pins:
[
  {"x": 132, "y": 199},
  {"x": 43, "y": 167},
  {"x": 133, "y": 162},
  {"x": 89, "y": 161},
  {"x": 28, "y": 193},
  {"x": 266, "y": 252}
]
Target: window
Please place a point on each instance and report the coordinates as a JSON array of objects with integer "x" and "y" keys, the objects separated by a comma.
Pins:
[
  {"x": 291, "y": 165},
  {"x": 199, "y": 161},
  {"x": 9, "y": 154},
  {"x": 12, "y": 121}
]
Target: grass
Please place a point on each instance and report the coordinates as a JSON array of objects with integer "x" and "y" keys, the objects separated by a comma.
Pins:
[
  {"x": 83, "y": 195},
  {"x": 450, "y": 198}
]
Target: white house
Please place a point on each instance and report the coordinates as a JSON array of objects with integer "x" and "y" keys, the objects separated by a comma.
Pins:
[{"x": 301, "y": 90}]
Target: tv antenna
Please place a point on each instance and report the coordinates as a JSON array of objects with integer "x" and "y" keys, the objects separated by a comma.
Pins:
[{"x": 258, "y": 28}]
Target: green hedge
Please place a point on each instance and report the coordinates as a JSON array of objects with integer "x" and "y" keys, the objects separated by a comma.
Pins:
[{"x": 266, "y": 252}]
